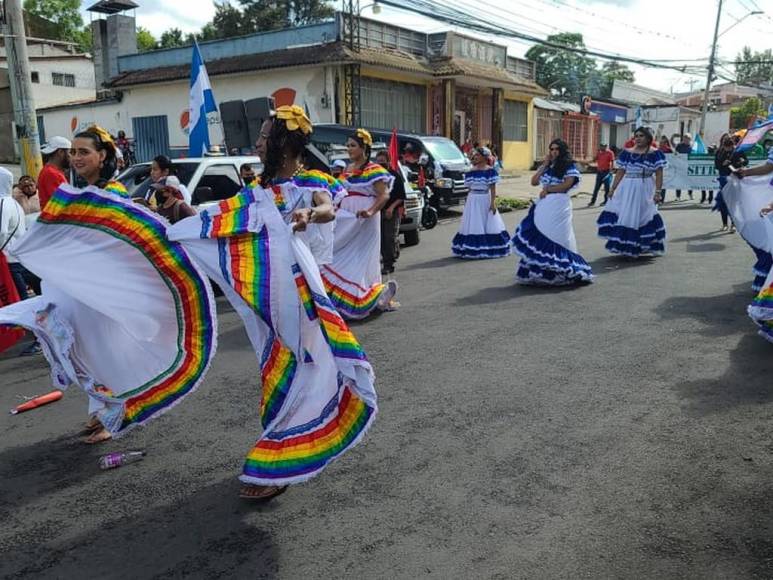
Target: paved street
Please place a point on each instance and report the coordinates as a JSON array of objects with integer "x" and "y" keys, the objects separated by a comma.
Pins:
[{"x": 618, "y": 430}]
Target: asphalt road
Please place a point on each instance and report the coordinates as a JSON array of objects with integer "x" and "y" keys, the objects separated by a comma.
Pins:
[{"x": 617, "y": 430}]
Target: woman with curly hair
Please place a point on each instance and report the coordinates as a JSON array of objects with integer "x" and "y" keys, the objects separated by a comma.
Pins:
[
  {"x": 353, "y": 279},
  {"x": 263, "y": 248},
  {"x": 545, "y": 239},
  {"x": 482, "y": 233},
  {"x": 630, "y": 221}
]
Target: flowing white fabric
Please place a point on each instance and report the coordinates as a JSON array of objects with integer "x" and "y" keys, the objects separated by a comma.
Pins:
[
  {"x": 357, "y": 243},
  {"x": 553, "y": 217},
  {"x": 633, "y": 202},
  {"x": 744, "y": 199}
]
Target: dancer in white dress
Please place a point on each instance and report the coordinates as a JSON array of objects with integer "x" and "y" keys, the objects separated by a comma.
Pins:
[
  {"x": 545, "y": 238},
  {"x": 482, "y": 233},
  {"x": 630, "y": 221},
  {"x": 353, "y": 279}
]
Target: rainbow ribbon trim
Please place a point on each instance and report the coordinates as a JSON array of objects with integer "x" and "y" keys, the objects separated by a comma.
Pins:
[
  {"x": 371, "y": 173},
  {"x": 353, "y": 306},
  {"x": 245, "y": 264},
  {"x": 117, "y": 187},
  {"x": 765, "y": 298},
  {"x": 193, "y": 301},
  {"x": 277, "y": 371},
  {"x": 319, "y": 180},
  {"x": 302, "y": 452}
]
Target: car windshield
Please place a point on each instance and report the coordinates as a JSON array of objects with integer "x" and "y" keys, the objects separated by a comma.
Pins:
[
  {"x": 444, "y": 150},
  {"x": 136, "y": 179}
]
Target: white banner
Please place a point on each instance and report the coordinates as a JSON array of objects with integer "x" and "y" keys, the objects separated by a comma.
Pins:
[{"x": 693, "y": 171}]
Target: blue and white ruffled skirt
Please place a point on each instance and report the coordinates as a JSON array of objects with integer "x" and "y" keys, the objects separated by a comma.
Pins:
[
  {"x": 482, "y": 234},
  {"x": 547, "y": 246},
  {"x": 630, "y": 221}
]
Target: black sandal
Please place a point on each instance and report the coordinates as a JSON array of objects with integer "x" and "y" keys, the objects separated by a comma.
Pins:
[{"x": 277, "y": 491}]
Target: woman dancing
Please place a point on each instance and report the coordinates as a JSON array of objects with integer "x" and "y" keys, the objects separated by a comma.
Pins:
[
  {"x": 545, "y": 238},
  {"x": 353, "y": 279},
  {"x": 630, "y": 221},
  {"x": 317, "y": 396},
  {"x": 124, "y": 314},
  {"x": 482, "y": 233}
]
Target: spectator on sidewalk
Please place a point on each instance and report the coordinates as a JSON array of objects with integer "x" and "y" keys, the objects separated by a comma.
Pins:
[
  {"x": 605, "y": 160},
  {"x": 56, "y": 156},
  {"x": 338, "y": 167},
  {"x": 26, "y": 195},
  {"x": 684, "y": 148},
  {"x": 391, "y": 215},
  {"x": 664, "y": 146},
  {"x": 162, "y": 168},
  {"x": 169, "y": 201},
  {"x": 247, "y": 173}
]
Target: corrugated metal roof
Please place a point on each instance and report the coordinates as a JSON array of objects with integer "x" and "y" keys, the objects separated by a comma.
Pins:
[{"x": 453, "y": 67}]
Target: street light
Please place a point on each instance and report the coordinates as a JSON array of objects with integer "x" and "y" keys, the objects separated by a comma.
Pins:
[
  {"x": 737, "y": 22},
  {"x": 377, "y": 8}
]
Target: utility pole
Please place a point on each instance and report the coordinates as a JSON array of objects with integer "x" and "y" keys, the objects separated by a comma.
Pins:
[
  {"x": 711, "y": 70},
  {"x": 25, "y": 117}
]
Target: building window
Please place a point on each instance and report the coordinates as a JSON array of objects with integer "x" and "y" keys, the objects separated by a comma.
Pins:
[
  {"x": 63, "y": 79},
  {"x": 516, "y": 121},
  {"x": 35, "y": 76},
  {"x": 388, "y": 104}
]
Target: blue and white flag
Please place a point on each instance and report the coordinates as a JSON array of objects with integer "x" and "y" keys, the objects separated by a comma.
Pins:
[{"x": 201, "y": 102}]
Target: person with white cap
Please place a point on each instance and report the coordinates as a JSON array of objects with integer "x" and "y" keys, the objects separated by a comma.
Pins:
[
  {"x": 56, "y": 156},
  {"x": 337, "y": 168}
]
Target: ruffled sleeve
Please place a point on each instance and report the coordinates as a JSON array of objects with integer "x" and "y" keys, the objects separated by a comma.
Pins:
[
  {"x": 493, "y": 176},
  {"x": 315, "y": 180},
  {"x": 572, "y": 171},
  {"x": 117, "y": 187},
  {"x": 656, "y": 159},
  {"x": 770, "y": 156},
  {"x": 363, "y": 180},
  {"x": 624, "y": 159}
]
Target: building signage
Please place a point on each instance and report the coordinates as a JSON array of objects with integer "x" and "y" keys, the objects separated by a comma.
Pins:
[{"x": 694, "y": 171}]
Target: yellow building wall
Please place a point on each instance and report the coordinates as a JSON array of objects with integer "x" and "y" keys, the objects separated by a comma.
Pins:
[{"x": 519, "y": 155}]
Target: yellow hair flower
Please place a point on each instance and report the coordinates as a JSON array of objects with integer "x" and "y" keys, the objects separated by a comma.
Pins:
[
  {"x": 104, "y": 136},
  {"x": 295, "y": 118},
  {"x": 365, "y": 136}
]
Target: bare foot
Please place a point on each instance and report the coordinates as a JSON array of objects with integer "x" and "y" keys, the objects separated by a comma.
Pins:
[
  {"x": 261, "y": 493},
  {"x": 98, "y": 436},
  {"x": 92, "y": 425}
]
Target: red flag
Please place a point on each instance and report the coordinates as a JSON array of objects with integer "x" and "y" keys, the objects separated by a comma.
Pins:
[
  {"x": 9, "y": 335},
  {"x": 394, "y": 152},
  {"x": 422, "y": 178}
]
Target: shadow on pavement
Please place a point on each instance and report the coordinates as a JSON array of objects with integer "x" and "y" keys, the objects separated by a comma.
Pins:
[
  {"x": 746, "y": 381},
  {"x": 511, "y": 291},
  {"x": 698, "y": 248},
  {"x": 722, "y": 315},
  {"x": 234, "y": 339},
  {"x": 610, "y": 263},
  {"x": 681, "y": 206},
  {"x": 202, "y": 535},
  {"x": 699, "y": 238},
  {"x": 436, "y": 263},
  {"x": 28, "y": 472}
]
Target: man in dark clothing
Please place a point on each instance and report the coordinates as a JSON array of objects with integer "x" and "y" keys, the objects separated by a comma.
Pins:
[
  {"x": 684, "y": 147},
  {"x": 391, "y": 216}
]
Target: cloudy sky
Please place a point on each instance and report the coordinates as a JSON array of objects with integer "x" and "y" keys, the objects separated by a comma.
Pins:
[{"x": 646, "y": 29}]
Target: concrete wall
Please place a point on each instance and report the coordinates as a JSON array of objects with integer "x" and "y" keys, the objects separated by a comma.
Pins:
[
  {"x": 303, "y": 86},
  {"x": 47, "y": 94}
]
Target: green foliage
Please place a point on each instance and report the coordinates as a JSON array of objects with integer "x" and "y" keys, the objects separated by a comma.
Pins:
[
  {"x": 754, "y": 73},
  {"x": 172, "y": 38},
  {"x": 570, "y": 75},
  {"x": 741, "y": 117},
  {"x": 64, "y": 14},
  {"x": 505, "y": 204},
  {"x": 145, "y": 40}
]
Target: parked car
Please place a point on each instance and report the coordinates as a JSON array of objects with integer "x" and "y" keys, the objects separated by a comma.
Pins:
[
  {"x": 443, "y": 162},
  {"x": 414, "y": 202},
  {"x": 209, "y": 179}
]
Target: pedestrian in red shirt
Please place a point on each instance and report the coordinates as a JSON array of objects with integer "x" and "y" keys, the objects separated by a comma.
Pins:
[
  {"x": 604, "y": 162},
  {"x": 56, "y": 156}
]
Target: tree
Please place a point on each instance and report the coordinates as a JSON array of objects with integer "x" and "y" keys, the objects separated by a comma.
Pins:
[
  {"x": 564, "y": 73},
  {"x": 264, "y": 15},
  {"x": 145, "y": 40},
  {"x": 754, "y": 73},
  {"x": 65, "y": 14},
  {"x": 611, "y": 71},
  {"x": 741, "y": 117},
  {"x": 172, "y": 38},
  {"x": 228, "y": 21}
]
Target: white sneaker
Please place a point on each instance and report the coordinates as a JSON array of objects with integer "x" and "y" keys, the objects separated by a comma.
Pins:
[{"x": 385, "y": 300}]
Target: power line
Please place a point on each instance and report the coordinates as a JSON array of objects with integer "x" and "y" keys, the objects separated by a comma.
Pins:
[{"x": 463, "y": 19}]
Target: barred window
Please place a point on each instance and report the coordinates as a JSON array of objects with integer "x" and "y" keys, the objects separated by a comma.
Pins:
[
  {"x": 63, "y": 79},
  {"x": 516, "y": 121},
  {"x": 388, "y": 104}
]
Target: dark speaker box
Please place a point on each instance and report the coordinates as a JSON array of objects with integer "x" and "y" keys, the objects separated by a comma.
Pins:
[
  {"x": 234, "y": 118},
  {"x": 258, "y": 110}
]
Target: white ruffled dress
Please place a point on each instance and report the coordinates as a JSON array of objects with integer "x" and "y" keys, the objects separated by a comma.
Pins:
[
  {"x": 630, "y": 222},
  {"x": 353, "y": 279},
  {"x": 545, "y": 239},
  {"x": 482, "y": 234}
]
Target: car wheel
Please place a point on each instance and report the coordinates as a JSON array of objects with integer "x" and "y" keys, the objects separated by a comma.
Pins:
[{"x": 411, "y": 238}]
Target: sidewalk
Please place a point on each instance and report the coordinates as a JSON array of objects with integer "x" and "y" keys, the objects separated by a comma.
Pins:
[{"x": 519, "y": 186}]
